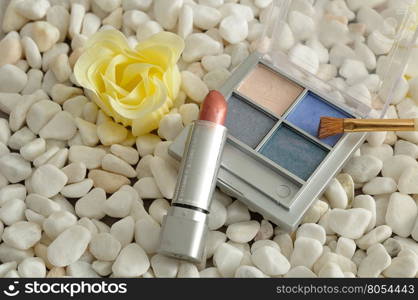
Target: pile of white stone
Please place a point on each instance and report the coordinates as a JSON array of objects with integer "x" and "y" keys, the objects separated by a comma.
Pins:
[{"x": 81, "y": 197}]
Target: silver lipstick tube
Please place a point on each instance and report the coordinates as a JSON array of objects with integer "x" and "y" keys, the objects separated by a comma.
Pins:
[{"x": 184, "y": 227}]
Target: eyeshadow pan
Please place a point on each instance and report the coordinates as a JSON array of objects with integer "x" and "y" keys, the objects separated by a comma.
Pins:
[
  {"x": 247, "y": 123},
  {"x": 294, "y": 152},
  {"x": 307, "y": 113},
  {"x": 270, "y": 90}
]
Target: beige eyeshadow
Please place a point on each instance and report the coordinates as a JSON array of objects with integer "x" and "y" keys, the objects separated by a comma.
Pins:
[{"x": 270, "y": 90}]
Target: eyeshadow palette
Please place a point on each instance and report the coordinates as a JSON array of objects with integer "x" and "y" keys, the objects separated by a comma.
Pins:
[{"x": 273, "y": 160}]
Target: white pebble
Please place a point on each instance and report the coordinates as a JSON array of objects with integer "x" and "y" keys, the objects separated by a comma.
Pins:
[
  {"x": 375, "y": 262},
  {"x": 301, "y": 25},
  {"x": 363, "y": 168},
  {"x": 68, "y": 246},
  {"x": 91, "y": 205},
  {"x": 104, "y": 246},
  {"x": 331, "y": 270},
  {"x": 351, "y": 223},
  {"x": 305, "y": 58},
  {"x": 249, "y": 272},
  {"x": 353, "y": 70},
  {"x": 237, "y": 212},
  {"x": 12, "y": 79},
  {"x": 32, "y": 267},
  {"x": 270, "y": 261},
  {"x": 380, "y": 185},
  {"x": 198, "y": 45},
  {"x": 48, "y": 180},
  {"x": 111, "y": 133},
  {"x": 76, "y": 19},
  {"x": 244, "y": 11},
  {"x": 379, "y": 43},
  {"x": 123, "y": 230},
  {"x": 78, "y": 189},
  {"x": 217, "y": 216},
  {"x": 216, "y": 78},
  {"x": 375, "y": 236},
  {"x": 187, "y": 270},
  {"x": 116, "y": 165},
  {"x": 146, "y": 144},
  {"x": 242, "y": 232},
  {"x": 205, "y": 17},
  {"x": 394, "y": 166},
  {"x": 407, "y": 183},
  {"x": 14, "y": 167},
  {"x": 170, "y": 126},
  {"x": 147, "y": 188},
  {"x": 336, "y": 195},
  {"x": 401, "y": 214},
  {"x": 22, "y": 235},
  {"x": 57, "y": 222},
  {"x": 193, "y": 86},
  {"x": 42, "y": 205},
  {"x": 345, "y": 247},
  {"x": 132, "y": 261},
  {"x": 60, "y": 127},
  {"x": 311, "y": 230},
  {"x": 44, "y": 34},
  {"x": 33, "y": 149},
  {"x": 12, "y": 191},
  {"x": 119, "y": 204},
  {"x": 233, "y": 29},
  {"x": 300, "y": 272},
  {"x": 20, "y": 138},
  {"x": 166, "y": 12},
  {"x": 75, "y": 172},
  {"x": 89, "y": 156},
  {"x": 128, "y": 154},
  {"x": 33, "y": 10},
  {"x": 147, "y": 234},
  {"x": 59, "y": 16},
  {"x": 185, "y": 22},
  {"x": 306, "y": 252},
  {"x": 402, "y": 267},
  {"x": 189, "y": 112},
  {"x": 227, "y": 259},
  {"x": 367, "y": 202}
]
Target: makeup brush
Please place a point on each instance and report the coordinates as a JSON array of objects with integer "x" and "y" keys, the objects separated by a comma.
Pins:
[{"x": 329, "y": 126}]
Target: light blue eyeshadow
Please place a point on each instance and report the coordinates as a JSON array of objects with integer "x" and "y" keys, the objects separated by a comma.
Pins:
[
  {"x": 294, "y": 152},
  {"x": 307, "y": 113},
  {"x": 247, "y": 123}
]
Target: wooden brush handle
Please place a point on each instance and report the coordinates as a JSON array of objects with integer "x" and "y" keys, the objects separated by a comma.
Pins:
[{"x": 365, "y": 125}]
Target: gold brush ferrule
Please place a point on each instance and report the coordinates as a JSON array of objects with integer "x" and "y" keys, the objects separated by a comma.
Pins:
[{"x": 366, "y": 125}]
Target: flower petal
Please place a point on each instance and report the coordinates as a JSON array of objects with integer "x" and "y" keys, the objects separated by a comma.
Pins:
[{"x": 167, "y": 39}]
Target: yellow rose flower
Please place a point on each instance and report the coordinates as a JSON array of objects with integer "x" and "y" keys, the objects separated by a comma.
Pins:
[{"x": 134, "y": 86}]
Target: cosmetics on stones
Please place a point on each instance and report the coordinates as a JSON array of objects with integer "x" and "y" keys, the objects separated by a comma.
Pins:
[
  {"x": 273, "y": 160},
  {"x": 184, "y": 227}
]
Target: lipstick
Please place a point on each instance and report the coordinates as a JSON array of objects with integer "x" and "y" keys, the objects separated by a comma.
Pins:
[{"x": 184, "y": 228}]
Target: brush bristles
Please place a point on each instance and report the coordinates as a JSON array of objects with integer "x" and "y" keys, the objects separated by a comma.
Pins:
[{"x": 330, "y": 126}]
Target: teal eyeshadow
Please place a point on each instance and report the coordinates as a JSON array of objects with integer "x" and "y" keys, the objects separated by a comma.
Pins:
[
  {"x": 247, "y": 123},
  {"x": 294, "y": 152}
]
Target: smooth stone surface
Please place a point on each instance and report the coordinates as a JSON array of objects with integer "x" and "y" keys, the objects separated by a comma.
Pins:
[
  {"x": 48, "y": 180},
  {"x": 132, "y": 261},
  {"x": 69, "y": 246},
  {"x": 270, "y": 261},
  {"x": 401, "y": 214},
  {"x": 350, "y": 223},
  {"x": 242, "y": 232}
]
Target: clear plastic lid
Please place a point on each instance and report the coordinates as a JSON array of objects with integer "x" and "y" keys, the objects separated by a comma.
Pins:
[{"x": 354, "y": 51}]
